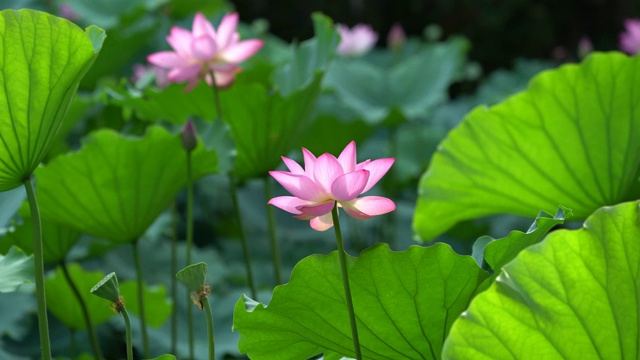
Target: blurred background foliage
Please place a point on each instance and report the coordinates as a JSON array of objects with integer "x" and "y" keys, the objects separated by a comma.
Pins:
[{"x": 459, "y": 54}]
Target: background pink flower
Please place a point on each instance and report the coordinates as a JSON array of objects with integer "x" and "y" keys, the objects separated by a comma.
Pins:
[
  {"x": 204, "y": 50},
  {"x": 326, "y": 180},
  {"x": 356, "y": 41},
  {"x": 630, "y": 39}
]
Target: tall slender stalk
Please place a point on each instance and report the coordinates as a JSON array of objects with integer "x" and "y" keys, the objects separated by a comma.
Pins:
[
  {"x": 236, "y": 204},
  {"x": 38, "y": 259},
  {"x": 95, "y": 345},
  {"x": 345, "y": 282},
  {"x": 243, "y": 236},
  {"x": 140, "y": 283},
  {"x": 207, "y": 310},
  {"x": 174, "y": 281},
  {"x": 273, "y": 240},
  {"x": 189, "y": 244},
  {"x": 127, "y": 329}
]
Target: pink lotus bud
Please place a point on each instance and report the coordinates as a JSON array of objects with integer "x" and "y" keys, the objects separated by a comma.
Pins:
[
  {"x": 630, "y": 39},
  {"x": 67, "y": 12},
  {"x": 396, "y": 37},
  {"x": 189, "y": 136},
  {"x": 585, "y": 47}
]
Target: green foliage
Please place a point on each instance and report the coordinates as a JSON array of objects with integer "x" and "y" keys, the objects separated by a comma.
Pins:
[
  {"x": 574, "y": 296},
  {"x": 42, "y": 61},
  {"x": 63, "y": 303},
  {"x": 566, "y": 141},
  {"x": 16, "y": 269},
  {"x": 60, "y": 238},
  {"x": 498, "y": 252},
  {"x": 157, "y": 307},
  {"x": 413, "y": 86},
  {"x": 405, "y": 303},
  {"x": 116, "y": 186}
]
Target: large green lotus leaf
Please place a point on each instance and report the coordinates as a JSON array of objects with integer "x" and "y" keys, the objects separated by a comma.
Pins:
[
  {"x": 59, "y": 238},
  {"x": 157, "y": 306},
  {"x": 405, "y": 303},
  {"x": 42, "y": 59},
  {"x": 16, "y": 269},
  {"x": 414, "y": 85},
  {"x": 63, "y": 303},
  {"x": 116, "y": 186},
  {"x": 498, "y": 252},
  {"x": 264, "y": 125},
  {"x": 568, "y": 140},
  {"x": 573, "y": 296}
]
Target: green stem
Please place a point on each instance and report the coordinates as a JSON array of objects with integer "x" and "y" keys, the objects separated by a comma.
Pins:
[
  {"x": 95, "y": 345},
  {"x": 174, "y": 281},
  {"x": 216, "y": 96},
  {"x": 38, "y": 259},
  {"x": 243, "y": 237},
  {"x": 273, "y": 240},
  {"x": 189, "y": 245},
  {"x": 127, "y": 328},
  {"x": 212, "y": 342},
  {"x": 345, "y": 282},
  {"x": 140, "y": 283},
  {"x": 234, "y": 198}
]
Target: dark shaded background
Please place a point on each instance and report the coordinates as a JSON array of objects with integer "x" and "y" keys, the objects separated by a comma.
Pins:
[{"x": 499, "y": 30}]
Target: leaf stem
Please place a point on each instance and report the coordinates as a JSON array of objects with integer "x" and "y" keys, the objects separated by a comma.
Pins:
[
  {"x": 216, "y": 96},
  {"x": 140, "y": 283},
  {"x": 189, "y": 245},
  {"x": 273, "y": 240},
  {"x": 234, "y": 198},
  {"x": 210, "y": 332},
  {"x": 127, "y": 328},
  {"x": 243, "y": 236},
  {"x": 95, "y": 345},
  {"x": 174, "y": 282},
  {"x": 38, "y": 259},
  {"x": 345, "y": 282}
]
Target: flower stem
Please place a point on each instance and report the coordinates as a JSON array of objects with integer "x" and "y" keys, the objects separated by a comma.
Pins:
[
  {"x": 140, "y": 283},
  {"x": 345, "y": 282},
  {"x": 38, "y": 259},
  {"x": 189, "y": 244},
  {"x": 243, "y": 236},
  {"x": 174, "y": 281},
  {"x": 273, "y": 240},
  {"x": 209, "y": 314},
  {"x": 95, "y": 345},
  {"x": 216, "y": 96},
  {"x": 127, "y": 328}
]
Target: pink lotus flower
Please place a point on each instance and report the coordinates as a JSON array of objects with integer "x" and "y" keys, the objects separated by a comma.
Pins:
[
  {"x": 630, "y": 39},
  {"x": 203, "y": 50},
  {"x": 326, "y": 180},
  {"x": 356, "y": 41}
]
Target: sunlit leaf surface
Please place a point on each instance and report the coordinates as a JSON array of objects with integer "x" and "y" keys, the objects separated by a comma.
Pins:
[
  {"x": 42, "y": 60},
  {"x": 116, "y": 186},
  {"x": 405, "y": 303},
  {"x": 570, "y": 139},
  {"x": 573, "y": 296}
]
